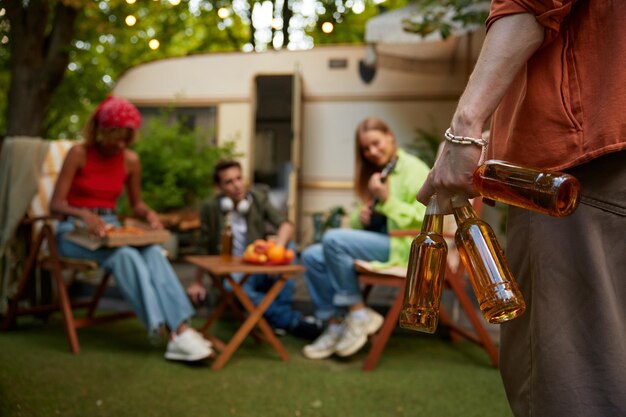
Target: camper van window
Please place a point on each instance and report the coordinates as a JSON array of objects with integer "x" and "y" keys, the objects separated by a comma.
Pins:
[{"x": 202, "y": 119}]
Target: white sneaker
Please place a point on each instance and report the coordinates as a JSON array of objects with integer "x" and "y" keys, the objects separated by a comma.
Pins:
[
  {"x": 187, "y": 347},
  {"x": 200, "y": 337},
  {"x": 357, "y": 330},
  {"x": 323, "y": 346}
]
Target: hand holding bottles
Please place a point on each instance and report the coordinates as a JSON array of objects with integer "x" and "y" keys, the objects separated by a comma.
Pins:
[{"x": 495, "y": 288}]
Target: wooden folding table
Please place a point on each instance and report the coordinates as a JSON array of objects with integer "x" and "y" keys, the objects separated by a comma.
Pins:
[{"x": 220, "y": 269}]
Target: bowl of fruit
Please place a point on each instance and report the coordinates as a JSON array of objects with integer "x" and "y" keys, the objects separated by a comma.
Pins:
[{"x": 267, "y": 252}]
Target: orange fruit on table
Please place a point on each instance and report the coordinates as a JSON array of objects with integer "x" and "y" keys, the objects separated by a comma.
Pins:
[
  {"x": 276, "y": 253},
  {"x": 251, "y": 256},
  {"x": 289, "y": 255},
  {"x": 260, "y": 246}
]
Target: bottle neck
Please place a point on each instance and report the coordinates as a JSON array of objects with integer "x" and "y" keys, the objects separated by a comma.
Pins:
[
  {"x": 433, "y": 219},
  {"x": 462, "y": 210},
  {"x": 433, "y": 223},
  {"x": 227, "y": 221}
]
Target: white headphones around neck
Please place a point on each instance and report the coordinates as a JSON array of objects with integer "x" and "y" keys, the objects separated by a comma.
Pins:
[{"x": 227, "y": 204}]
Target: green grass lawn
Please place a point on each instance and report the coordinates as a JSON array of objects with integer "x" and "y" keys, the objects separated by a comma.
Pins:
[{"x": 119, "y": 373}]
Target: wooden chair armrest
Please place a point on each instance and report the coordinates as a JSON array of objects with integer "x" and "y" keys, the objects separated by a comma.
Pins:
[
  {"x": 404, "y": 233},
  {"x": 449, "y": 237},
  {"x": 31, "y": 220}
]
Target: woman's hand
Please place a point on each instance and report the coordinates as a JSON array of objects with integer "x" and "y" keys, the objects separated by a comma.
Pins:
[
  {"x": 379, "y": 189},
  {"x": 365, "y": 215},
  {"x": 153, "y": 220},
  {"x": 95, "y": 224},
  {"x": 196, "y": 292}
]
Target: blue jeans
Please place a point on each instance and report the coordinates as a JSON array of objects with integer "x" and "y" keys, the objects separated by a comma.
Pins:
[
  {"x": 330, "y": 276},
  {"x": 143, "y": 275},
  {"x": 280, "y": 314}
]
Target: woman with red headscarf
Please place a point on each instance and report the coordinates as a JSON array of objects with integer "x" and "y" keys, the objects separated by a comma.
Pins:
[{"x": 93, "y": 176}]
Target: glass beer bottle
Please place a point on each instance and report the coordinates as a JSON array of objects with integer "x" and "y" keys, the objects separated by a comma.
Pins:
[
  {"x": 498, "y": 296},
  {"x": 226, "y": 239},
  {"x": 425, "y": 274},
  {"x": 553, "y": 193}
]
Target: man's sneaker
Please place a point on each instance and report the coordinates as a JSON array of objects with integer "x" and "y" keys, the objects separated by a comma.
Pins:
[
  {"x": 357, "y": 330},
  {"x": 279, "y": 331},
  {"x": 323, "y": 346},
  {"x": 187, "y": 347}
]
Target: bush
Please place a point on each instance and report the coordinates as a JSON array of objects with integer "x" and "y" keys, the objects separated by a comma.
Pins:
[
  {"x": 177, "y": 164},
  {"x": 425, "y": 144}
]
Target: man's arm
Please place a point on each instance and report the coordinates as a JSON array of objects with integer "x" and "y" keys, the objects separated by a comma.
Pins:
[
  {"x": 284, "y": 233},
  {"x": 510, "y": 42}
]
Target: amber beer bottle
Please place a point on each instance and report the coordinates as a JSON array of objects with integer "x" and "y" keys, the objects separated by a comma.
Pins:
[
  {"x": 553, "y": 193},
  {"x": 498, "y": 296},
  {"x": 425, "y": 275},
  {"x": 226, "y": 239}
]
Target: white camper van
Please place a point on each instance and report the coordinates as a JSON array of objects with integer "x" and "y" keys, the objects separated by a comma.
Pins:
[{"x": 293, "y": 113}]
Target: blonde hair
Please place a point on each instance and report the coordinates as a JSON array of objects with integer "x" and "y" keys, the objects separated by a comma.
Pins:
[{"x": 363, "y": 169}]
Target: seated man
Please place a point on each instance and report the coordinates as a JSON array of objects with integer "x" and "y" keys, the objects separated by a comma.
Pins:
[{"x": 251, "y": 211}]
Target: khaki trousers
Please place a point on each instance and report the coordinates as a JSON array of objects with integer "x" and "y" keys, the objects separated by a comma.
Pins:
[{"x": 566, "y": 355}]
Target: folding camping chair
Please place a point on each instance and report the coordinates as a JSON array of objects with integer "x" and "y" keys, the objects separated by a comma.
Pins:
[
  {"x": 43, "y": 255},
  {"x": 454, "y": 280}
]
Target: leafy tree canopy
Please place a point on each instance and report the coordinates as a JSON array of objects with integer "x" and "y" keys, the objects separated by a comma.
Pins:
[{"x": 112, "y": 36}]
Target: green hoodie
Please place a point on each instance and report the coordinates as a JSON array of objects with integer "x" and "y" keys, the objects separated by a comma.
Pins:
[{"x": 403, "y": 211}]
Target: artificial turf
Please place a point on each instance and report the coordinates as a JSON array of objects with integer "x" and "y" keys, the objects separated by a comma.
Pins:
[{"x": 120, "y": 373}]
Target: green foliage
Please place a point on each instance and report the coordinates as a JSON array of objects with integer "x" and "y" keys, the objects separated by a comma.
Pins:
[
  {"x": 425, "y": 144},
  {"x": 105, "y": 47},
  {"x": 177, "y": 164},
  {"x": 349, "y": 27},
  {"x": 444, "y": 16},
  {"x": 323, "y": 221}
]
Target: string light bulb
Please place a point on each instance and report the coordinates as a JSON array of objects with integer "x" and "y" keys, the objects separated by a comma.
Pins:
[
  {"x": 223, "y": 12},
  {"x": 130, "y": 20}
]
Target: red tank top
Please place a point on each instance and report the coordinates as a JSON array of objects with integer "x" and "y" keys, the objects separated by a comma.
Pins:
[{"x": 100, "y": 182}]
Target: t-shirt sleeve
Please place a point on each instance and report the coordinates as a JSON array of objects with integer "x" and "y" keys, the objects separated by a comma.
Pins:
[{"x": 549, "y": 13}]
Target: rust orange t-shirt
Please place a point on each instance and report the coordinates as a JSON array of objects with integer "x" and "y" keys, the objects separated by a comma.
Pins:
[{"x": 567, "y": 104}]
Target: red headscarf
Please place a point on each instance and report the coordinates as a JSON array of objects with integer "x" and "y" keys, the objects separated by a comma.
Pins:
[{"x": 116, "y": 112}]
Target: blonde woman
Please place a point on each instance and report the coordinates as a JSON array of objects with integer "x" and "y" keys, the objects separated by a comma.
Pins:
[{"x": 386, "y": 181}]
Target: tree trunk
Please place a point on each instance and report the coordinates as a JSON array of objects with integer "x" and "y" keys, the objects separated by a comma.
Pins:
[
  {"x": 39, "y": 58},
  {"x": 287, "y": 14}
]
